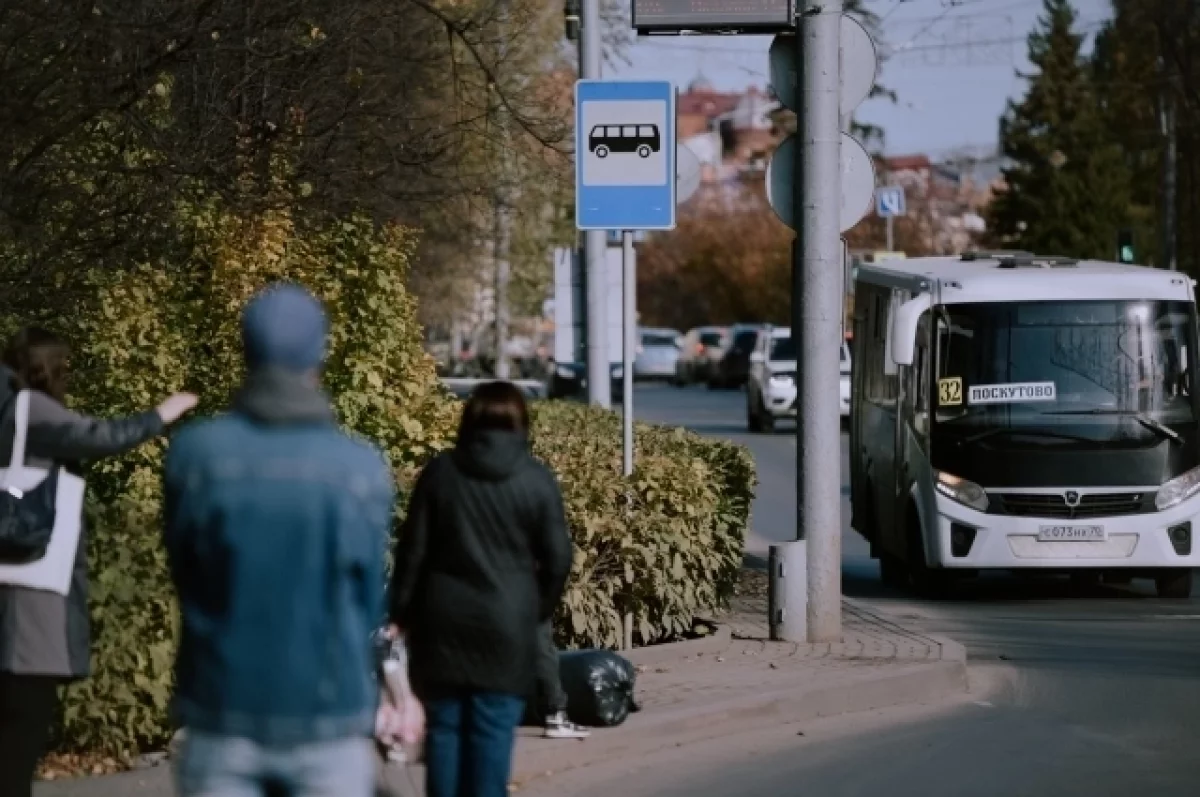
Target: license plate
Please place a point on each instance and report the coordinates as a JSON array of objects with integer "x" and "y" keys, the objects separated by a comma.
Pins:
[{"x": 1072, "y": 534}]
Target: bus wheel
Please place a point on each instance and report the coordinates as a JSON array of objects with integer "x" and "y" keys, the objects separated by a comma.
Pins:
[
  {"x": 644, "y": 151},
  {"x": 928, "y": 582},
  {"x": 601, "y": 151},
  {"x": 1174, "y": 584}
]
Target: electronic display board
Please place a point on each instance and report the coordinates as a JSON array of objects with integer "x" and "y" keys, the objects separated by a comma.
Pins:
[{"x": 715, "y": 16}]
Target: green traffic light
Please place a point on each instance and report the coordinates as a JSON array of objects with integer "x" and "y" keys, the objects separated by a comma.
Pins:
[{"x": 1126, "y": 254}]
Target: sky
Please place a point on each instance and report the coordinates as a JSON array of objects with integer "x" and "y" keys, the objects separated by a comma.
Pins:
[{"x": 954, "y": 65}]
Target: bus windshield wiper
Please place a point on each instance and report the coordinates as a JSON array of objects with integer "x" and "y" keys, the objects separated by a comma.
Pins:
[
  {"x": 1141, "y": 417},
  {"x": 1009, "y": 430}
]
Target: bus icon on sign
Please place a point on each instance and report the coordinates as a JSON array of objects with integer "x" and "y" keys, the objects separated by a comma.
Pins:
[{"x": 627, "y": 139}]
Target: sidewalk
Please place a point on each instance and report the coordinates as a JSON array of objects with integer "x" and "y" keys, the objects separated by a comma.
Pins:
[
  {"x": 744, "y": 682},
  {"x": 733, "y": 683}
]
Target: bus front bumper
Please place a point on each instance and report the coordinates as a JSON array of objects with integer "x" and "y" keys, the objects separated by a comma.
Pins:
[{"x": 970, "y": 539}]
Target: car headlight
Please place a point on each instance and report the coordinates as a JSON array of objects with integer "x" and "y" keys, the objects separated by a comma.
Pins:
[
  {"x": 1178, "y": 490},
  {"x": 564, "y": 372},
  {"x": 964, "y": 492},
  {"x": 781, "y": 379}
]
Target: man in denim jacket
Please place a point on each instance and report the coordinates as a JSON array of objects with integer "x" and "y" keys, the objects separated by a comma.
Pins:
[{"x": 276, "y": 529}]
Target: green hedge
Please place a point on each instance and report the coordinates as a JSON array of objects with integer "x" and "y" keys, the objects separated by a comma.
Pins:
[{"x": 665, "y": 546}]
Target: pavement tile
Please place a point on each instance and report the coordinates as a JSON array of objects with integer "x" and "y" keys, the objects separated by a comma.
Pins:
[{"x": 748, "y": 667}]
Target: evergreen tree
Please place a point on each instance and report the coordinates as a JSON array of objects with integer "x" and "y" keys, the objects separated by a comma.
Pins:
[
  {"x": 1068, "y": 185},
  {"x": 1143, "y": 57},
  {"x": 1126, "y": 77}
]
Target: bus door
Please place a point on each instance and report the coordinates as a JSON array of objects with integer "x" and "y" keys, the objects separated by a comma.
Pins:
[
  {"x": 912, "y": 453},
  {"x": 874, "y": 419},
  {"x": 894, "y": 480}
]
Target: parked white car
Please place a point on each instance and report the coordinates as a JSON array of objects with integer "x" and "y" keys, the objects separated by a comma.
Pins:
[{"x": 771, "y": 388}]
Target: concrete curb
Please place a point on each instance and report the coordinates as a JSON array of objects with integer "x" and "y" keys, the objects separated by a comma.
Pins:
[
  {"x": 951, "y": 650},
  {"x": 905, "y": 685},
  {"x": 673, "y": 651}
]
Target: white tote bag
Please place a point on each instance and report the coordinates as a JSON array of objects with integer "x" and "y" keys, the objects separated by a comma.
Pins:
[{"x": 53, "y": 571}]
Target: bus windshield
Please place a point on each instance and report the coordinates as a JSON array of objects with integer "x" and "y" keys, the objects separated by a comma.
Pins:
[{"x": 1083, "y": 363}]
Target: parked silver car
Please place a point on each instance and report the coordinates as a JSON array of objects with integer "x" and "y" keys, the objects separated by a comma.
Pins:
[{"x": 657, "y": 354}]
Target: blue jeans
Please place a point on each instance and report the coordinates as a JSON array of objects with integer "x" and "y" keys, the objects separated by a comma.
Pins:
[
  {"x": 469, "y": 743},
  {"x": 226, "y": 766}
]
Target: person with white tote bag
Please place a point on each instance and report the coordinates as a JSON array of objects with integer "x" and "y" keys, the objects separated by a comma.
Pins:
[{"x": 44, "y": 632}]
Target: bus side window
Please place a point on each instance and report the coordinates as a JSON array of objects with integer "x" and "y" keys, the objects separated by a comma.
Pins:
[
  {"x": 1185, "y": 372},
  {"x": 881, "y": 386}
]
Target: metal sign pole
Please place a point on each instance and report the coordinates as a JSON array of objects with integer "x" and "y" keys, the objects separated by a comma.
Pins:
[
  {"x": 890, "y": 231},
  {"x": 629, "y": 319}
]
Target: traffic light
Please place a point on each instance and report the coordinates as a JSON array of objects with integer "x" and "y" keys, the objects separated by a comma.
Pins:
[{"x": 1125, "y": 246}]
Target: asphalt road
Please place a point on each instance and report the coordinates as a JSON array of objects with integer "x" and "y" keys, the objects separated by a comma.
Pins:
[{"x": 1080, "y": 691}]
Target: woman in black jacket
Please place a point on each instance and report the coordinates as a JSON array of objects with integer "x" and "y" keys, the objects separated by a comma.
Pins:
[
  {"x": 44, "y": 636},
  {"x": 482, "y": 558}
]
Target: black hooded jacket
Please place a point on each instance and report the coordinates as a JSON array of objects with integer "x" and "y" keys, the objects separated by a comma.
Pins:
[{"x": 482, "y": 558}]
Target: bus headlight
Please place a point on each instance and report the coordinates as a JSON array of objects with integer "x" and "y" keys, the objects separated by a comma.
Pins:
[
  {"x": 1178, "y": 490},
  {"x": 964, "y": 492}
]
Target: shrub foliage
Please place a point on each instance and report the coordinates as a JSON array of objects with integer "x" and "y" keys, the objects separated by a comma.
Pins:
[
  {"x": 663, "y": 546},
  {"x": 167, "y": 326}
]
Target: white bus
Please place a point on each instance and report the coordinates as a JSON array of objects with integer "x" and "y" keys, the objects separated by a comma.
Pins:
[{"x": 1014, "y": 412}]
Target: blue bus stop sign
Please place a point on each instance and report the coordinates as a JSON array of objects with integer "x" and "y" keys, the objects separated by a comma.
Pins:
[{"x": 624, "y": 155}]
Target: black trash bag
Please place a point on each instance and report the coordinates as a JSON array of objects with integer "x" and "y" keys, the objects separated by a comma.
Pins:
[{"x": 599, "y": 687}]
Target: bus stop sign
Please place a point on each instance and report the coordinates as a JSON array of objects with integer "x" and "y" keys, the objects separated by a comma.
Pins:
[{"x": 625, "y": 170}]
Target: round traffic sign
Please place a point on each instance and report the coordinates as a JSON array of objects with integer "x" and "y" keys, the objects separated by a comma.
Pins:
[
  {"x": 858, "y": 182},
  {"x": 860, "y": 62}
]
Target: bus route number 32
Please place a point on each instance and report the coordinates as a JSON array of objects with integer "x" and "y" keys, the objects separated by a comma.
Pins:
[{"x": 950, "y": 391}]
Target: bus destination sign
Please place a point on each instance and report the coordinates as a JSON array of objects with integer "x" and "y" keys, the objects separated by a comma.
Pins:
[{"x": 712, "y": 16}]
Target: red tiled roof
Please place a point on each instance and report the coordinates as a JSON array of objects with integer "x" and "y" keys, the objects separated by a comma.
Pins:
[{"x": 906, "y": 162}]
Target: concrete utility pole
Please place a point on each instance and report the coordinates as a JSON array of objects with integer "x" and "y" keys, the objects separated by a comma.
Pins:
[
  {"x": 1170, "y": 169},
  {"x": 502, "y": 237},
  {"x": 817, "y": 311},
  {"x": 595, "y": 246}
]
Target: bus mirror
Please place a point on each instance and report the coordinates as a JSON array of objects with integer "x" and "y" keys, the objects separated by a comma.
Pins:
[{"x": 904, "y": 329}]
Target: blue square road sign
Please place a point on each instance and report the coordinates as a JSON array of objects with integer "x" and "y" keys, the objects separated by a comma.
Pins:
[
  {"x": 889, "y": 201},
  {"x": 624, "y": 155}
]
